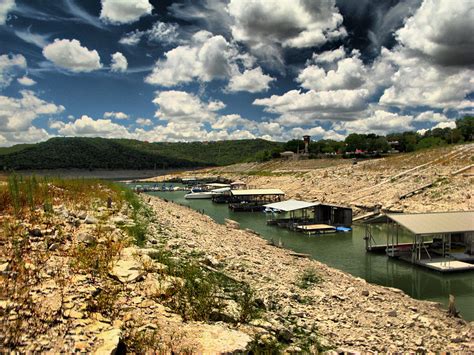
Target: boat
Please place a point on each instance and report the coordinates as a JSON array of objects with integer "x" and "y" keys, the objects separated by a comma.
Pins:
[{"x": 200, "y": 194}]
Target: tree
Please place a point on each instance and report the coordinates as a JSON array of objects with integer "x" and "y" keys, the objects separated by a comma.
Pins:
[
  {"x": 466, "y": 126},
  {"x": 356, "y": 141}
]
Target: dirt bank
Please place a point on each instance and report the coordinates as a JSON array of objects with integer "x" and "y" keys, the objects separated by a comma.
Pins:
[{"x": 344, "y": 312}]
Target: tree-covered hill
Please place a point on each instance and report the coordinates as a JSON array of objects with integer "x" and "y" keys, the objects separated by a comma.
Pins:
[{"x": 102, "y": 153}]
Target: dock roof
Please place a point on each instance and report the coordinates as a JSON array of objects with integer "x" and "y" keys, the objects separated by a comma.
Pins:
[
  {"x": 435, "y": 223},
  {"x": 291, "y": 205},
  {"x": 257, "y": 192}
]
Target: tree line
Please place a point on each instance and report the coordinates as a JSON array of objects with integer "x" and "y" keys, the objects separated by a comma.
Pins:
[{"x": 373, "y": 144}]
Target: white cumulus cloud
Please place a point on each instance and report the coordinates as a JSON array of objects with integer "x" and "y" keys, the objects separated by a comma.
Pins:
[
  {"x": 88, "y": 127},
  {"x": 18, "y": 113},
  {"x": 117, "y": 115},
  {"x": 26, "y": 81},
  {"x": 71, "y": 55},
  {"x": 124, "y": 11},
  {"x": 441, "y": 31},
  {"x": 119, "y": 62},
  {"x": 251, "y": 80}
]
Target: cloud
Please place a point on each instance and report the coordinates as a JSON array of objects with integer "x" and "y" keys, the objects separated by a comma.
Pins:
[
  {"x": 430, "y": 116},
  {"x": 118, "y": 12},
  {"x": 144, "y": 122},
  {"x": 5, "y": 7},
  {"x": 30, "y": 135},
  {"x": 297, "y": 108},
  {"x": 17, "y": 114},
  {"x": 33, "y": 38},
  {"x": 441, "y": 31},
  {"x": 267, "y": 26},
  {"x": 116, "y": 115},
  {"x": 89, "y": 127},
  {"x": 160, "y": 32},
  {"x": 163, "y": 33},
  {"x": 132, "y": 38},
  {"x": 378, "y": 121},
  {"x": 69, "y": 54},
  {"x": 26, "y": 81},
  {"x": 181, "y": 106},
  {"x": 252, "y": 80},
  {"x": 207, "y": 57},
  {"x": 350, "y": 73},
  {"x": 449, "y": 124},
  {"x": 119, "y": 62},
  {"x": 9, "y": 65},
  {"x": 329, "y": 56},
  {"x": 419, "y": 83}
]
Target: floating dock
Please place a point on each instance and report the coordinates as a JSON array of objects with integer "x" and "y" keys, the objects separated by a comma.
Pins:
[{"x": 316, "y": 228}]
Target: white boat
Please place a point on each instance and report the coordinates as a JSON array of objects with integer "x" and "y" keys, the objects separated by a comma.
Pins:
[
  {"x": 199, "y": 195},
  {"x": 206, "y": 194}
]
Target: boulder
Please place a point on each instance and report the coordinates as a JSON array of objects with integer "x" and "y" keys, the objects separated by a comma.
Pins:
[
  {"x": 109, "y": 340},
  {"x": 128, "y": 268},
  {"x": 90, "y": 220},
  {"x": 231, "y": 224}
]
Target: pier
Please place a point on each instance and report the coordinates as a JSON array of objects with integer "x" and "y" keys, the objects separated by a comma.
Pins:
[{"x": 442, "y": 241}]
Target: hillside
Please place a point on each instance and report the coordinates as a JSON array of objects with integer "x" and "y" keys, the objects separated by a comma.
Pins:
[
  {"x": 426, "y": 180},
  {"x": 101, "y": 153}
]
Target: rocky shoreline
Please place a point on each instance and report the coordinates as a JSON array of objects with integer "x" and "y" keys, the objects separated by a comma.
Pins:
[{"x": 345, "y": 313}]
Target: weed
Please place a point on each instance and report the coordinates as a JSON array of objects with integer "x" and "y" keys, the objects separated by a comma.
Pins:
[
  {"x": 308, "y": 278},
  {"x": 104, "y": 302}
]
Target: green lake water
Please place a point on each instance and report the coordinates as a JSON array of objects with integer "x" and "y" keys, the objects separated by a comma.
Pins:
[{"x": 346, "y": 251}]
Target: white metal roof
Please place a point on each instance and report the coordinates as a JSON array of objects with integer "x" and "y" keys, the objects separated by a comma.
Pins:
[
  {"x": 223, "y": 189},
  {"x": 257, "y": 192},
  {"x": 291, "y": 205},
  {"x": 435, "y": 223},
  {"x": 217, "y": 185}
]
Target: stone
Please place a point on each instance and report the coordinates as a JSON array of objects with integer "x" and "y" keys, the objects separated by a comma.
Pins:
[
  {"x": 231, "y": 224},
  {"x": 53, "y": 247},
  {"x": 365, "y": 293},
  {"x": 35, "y": 232},
  {"x": 285, "y": 335},
  {"x": 127, "y": 269},
  {"x": 110, "y": 341},
  {"x": 90, "y": 220},
  {"x": 392, "y": 313},
  {"x": 86, "y": 238},
  {"x": 4, "y": 267}
]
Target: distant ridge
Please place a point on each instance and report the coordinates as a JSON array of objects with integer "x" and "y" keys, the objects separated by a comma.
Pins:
[{"x": 103, "y": 153}]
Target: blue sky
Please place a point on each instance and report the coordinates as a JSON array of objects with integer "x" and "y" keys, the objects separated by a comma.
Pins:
[{"x": 211, "y": 70}]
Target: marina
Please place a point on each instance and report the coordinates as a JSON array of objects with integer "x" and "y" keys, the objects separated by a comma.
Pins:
[{"x": 347, "y": 252}]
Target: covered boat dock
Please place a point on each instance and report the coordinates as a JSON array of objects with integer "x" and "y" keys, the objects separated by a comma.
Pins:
[
  {"x": 442, "y": 241},
  {"x": 308, "y": 217},
  {"x": 252, "y": 200}
]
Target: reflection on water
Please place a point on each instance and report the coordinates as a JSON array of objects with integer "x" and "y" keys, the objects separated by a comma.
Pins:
[{"x": 346, "y": 251}]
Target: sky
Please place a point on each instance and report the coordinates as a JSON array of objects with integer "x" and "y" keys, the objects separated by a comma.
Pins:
[{"x": 232, "y": 69}]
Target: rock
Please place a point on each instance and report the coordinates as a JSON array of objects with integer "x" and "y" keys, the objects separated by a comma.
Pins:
[
  {"x": 53, "y": 247},
  {"x": 365, "y": 293},
  {"x": 231, "y": 224},
  {"x": 210, "y": 261},
  {"x": 218, "y": 339},
  {"x": 4, "y": 267},
  {"x": 90, "y": 220},
  {"x": 127, "y": 269},
  {"x": 392, "y": 313},
  {"x": 164, "y": 286},
  {"x": 82, "y": 215},
  {"x": 86, "y": 238},
  {"x": 110, "y": 341},
  {"x": 285, "y": 335},
  {"x": 35, "y": 232}
]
